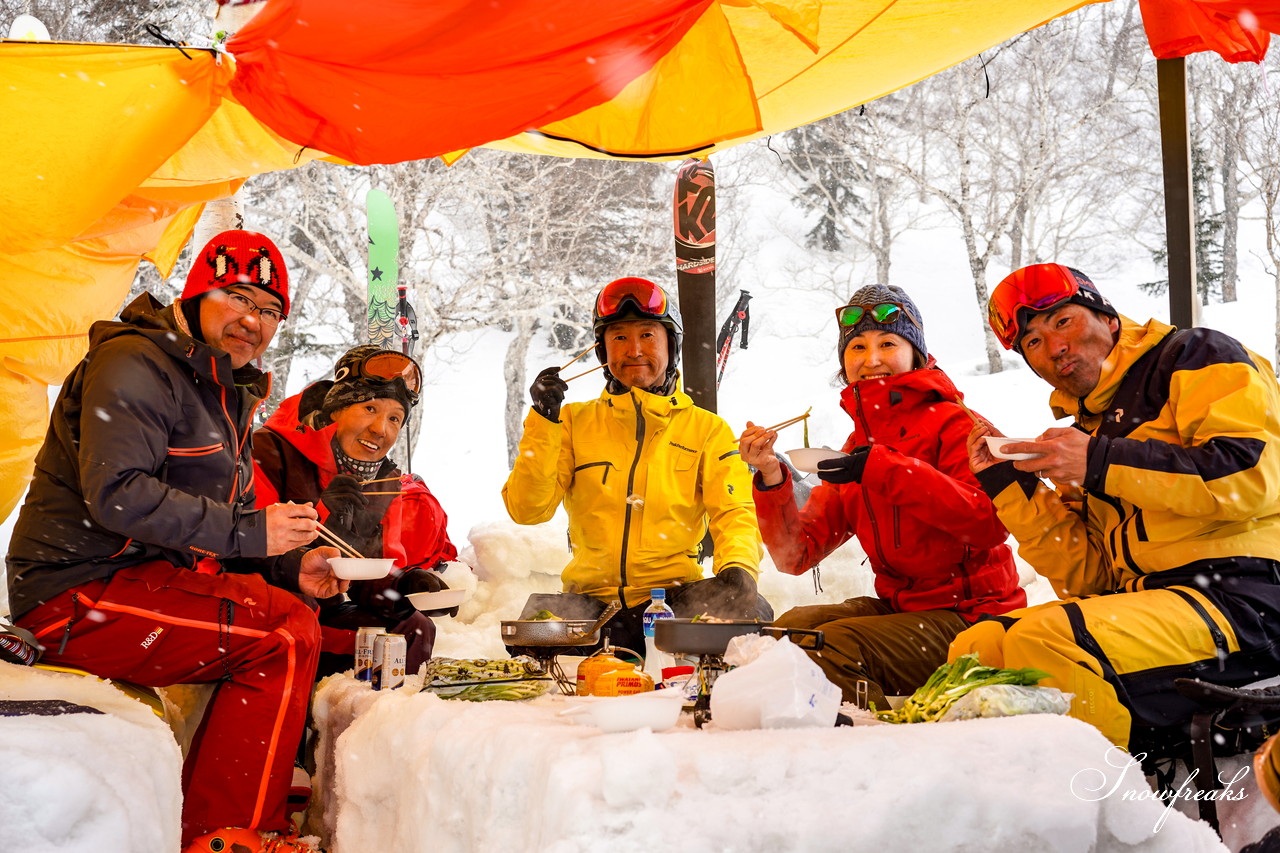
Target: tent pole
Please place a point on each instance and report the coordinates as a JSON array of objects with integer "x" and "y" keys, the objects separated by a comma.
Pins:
[{"x": 1179, "y": 216}]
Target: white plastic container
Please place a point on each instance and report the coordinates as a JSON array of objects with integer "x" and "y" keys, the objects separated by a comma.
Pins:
[
  {"x": 996, "y": 443},
  {"x": 438, "y": 600},
  {"x": 367, "y": 569}
]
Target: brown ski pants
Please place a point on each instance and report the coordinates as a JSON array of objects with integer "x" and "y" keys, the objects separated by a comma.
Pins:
[{"x": 867, "y": 641}]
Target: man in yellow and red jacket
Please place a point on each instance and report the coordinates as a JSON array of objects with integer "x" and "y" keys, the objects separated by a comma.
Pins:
[
  {"x": 1163, "y": 532},
  {"x": 643, "y": 474}
]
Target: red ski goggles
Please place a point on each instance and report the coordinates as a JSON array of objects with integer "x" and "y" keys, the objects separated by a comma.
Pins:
[
  {"x": 883, "y": 313},
  {"x": 647, "y": 297},
  {"x": 1036, "y": 288},
  {"x": 387, "y": 366}
]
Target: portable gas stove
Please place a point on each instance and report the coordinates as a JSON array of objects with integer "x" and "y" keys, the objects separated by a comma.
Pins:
[
  {"x": 548, "y": 659},
  {"x": 708, "y": 641},
  {"x": 545, "y": 640}
]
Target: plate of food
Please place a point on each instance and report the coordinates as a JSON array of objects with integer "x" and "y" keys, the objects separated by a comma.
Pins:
[
  {"x": 806, "y": 459},
  {"x": 439, "y": 600},
  {"x": 996, "y": 443}
]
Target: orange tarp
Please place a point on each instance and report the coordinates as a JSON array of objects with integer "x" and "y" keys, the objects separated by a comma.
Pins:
[
  {"x": 1235, "y": 30},
  {"x": 407, "y": 80}
]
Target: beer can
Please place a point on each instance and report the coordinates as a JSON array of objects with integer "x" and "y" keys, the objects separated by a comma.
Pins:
[
  {"x": 389, "y": 652},
  {"x": 364, "y": 652}
]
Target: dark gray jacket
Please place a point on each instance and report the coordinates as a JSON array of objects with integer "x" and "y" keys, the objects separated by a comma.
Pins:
[{"x": 146, "y": 458}]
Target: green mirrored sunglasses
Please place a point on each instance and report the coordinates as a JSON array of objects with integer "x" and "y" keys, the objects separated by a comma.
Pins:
[{"x": 882, "y": 312}]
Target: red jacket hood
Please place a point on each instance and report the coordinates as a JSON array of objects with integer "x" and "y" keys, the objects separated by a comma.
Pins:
[
  {"x": 873, "y": 403},
  {"x": 314, "y": 444}
]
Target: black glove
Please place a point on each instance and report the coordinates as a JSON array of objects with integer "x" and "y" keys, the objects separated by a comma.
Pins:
[
  {"x": 731, "y": 594},
  {"x": 738, "y": 578},
  {"x": 547, "y": 392},
  {"x": 422, "y": 580},
  {"x": 381, "y": 598},
  {"x": 348, "y": 505},
  {"x": 845, "y": 469}
]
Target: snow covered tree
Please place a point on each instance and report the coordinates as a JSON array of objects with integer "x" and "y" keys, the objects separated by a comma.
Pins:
[
  {"x": 1031, "y": 161},
  {"x": 550, "y": 232}
]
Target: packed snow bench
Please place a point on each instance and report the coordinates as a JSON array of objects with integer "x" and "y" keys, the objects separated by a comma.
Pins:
[{"x": 86, "y": 767}]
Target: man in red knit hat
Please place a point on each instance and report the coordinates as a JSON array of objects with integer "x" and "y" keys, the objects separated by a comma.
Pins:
[{"x": 139, "y": 554}]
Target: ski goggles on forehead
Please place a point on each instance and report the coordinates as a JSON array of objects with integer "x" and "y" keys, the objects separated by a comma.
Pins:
[
  {"x": 388, "y": 366},
  {"x": 647, "y": 297},
  {"x": 1022, "y": 292},
  {"x": 883, "y": 313}
]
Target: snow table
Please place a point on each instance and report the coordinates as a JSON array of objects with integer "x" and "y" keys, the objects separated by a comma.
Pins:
[{"x": 402, "y": 771}]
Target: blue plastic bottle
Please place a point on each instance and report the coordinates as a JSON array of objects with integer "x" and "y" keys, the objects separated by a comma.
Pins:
[{"x": 654, "y": 659}]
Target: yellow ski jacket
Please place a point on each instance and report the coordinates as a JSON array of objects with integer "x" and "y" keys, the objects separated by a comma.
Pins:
[
  {"x": 642, "y": 478},
  {"x": 1183, "y": 477}
]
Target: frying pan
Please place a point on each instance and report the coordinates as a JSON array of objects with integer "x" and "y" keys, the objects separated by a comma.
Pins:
[
  {"x": 556, "y": 632},
  {"x": 686, "y": 637}
]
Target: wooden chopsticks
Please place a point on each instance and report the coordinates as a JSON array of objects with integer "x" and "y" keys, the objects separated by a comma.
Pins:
[
  {"x": 579, "y": 356},
  {"x": 790, "y": 422},
  {"x": 583, "y": 373},
  {"x": 380, "y": 480},
  {"x": 336, "y": 541},
  {"x": 967, "y": 410}
]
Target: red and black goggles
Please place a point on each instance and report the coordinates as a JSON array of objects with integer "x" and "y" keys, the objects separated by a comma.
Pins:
[
  {"x": 1035, "y": 288},
  {"x": 646, "y": 298},
  {"x": 388, "y": 366}
]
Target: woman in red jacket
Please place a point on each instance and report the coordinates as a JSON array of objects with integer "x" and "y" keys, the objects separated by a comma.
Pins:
[
  {"x": 322, "y": 447},
  {"x": 905, "y": 490}
]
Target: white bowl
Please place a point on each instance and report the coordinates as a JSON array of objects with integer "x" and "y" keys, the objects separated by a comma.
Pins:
[
  {"x": 438, "y": 600},
  {"x": 996, "y": 443},
  {"x": 657, "y": 710},
  {"x": 807, "y": 458},
  {"x": 367, "y": 569}
]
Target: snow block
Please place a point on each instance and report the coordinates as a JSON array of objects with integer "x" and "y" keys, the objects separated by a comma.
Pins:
[{"x": 86, "y": 767}]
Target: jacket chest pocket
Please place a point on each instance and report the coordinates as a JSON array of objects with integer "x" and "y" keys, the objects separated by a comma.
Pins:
[
  {"x": 594, "y": 471},
  {"x": 670, "y": 493},
  {"x": 207, "y": 450},
  {"x": 684, "y": 467}
]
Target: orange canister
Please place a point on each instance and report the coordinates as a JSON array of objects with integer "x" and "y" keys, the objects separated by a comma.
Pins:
[
  {"x": 623, "y": 682},
  {"x": 595, "y": 666}
]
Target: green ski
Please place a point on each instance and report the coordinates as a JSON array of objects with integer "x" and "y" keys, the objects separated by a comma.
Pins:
[{"x": 384, "y": 267}]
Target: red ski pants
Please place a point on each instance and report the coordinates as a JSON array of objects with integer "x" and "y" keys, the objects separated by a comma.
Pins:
[{"x": 158, "y": 625}]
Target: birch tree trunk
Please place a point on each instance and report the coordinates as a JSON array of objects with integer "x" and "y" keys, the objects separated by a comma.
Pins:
[{"x": 513, "y": 374}]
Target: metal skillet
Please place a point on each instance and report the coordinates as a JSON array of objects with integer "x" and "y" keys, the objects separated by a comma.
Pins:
[
  {"x": 687, "y": 637},
  {"x": 530, "y": 633}
]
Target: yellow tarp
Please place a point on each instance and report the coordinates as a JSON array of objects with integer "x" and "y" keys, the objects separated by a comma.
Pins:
[
  {"x": 750, "y": 68},
  {"x": 113, "y": 151}
]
